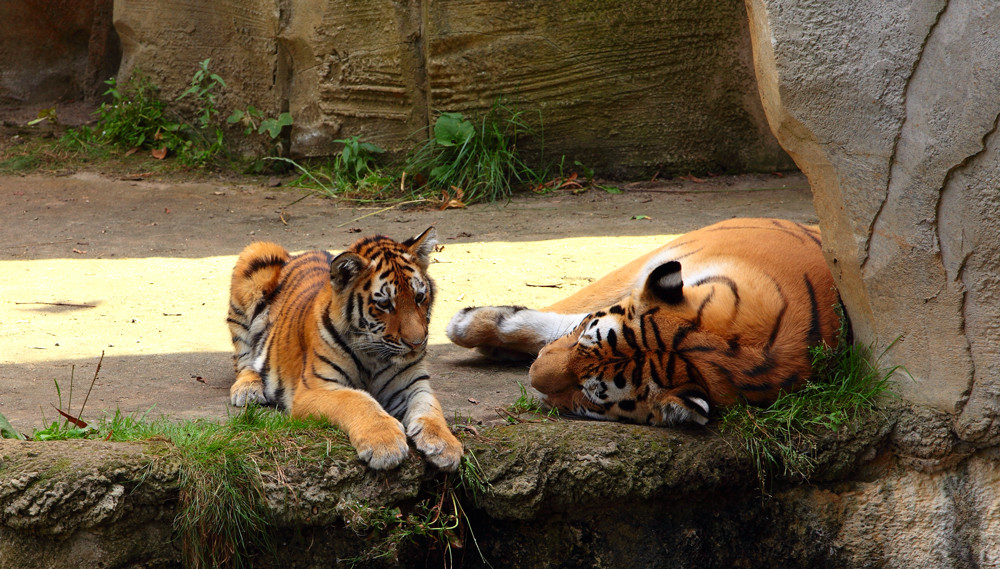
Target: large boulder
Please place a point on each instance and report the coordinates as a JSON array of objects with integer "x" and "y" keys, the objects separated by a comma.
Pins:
[
  {"x": 891, "y": 110},
  {"x": 627, "y": 88}
]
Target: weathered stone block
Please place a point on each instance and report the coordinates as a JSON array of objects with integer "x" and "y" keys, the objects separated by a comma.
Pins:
[{"x": 55, "y": 50}]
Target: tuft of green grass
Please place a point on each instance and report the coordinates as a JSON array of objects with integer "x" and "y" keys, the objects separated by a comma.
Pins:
[
  {"x": 222, "y": 519},
  {"x": 478, "y": 157},
  {"x": 846, "y": 387},
  {"x": 527, "y": 404}
]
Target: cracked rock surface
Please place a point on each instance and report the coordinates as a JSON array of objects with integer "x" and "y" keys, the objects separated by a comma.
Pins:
[{"x": 890, "y": 110}]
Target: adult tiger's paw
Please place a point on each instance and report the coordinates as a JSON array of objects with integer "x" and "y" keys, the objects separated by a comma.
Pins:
[
  {"x": 433, "y": 438},
  {"x": 477, "y": 326},
  {"x": 380, "y": 443},
  {"x": 248, "y": 388}
]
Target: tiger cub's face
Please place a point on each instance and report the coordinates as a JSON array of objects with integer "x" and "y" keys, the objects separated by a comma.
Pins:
[
  {"x": 385, "y": 294},
  {"x": 617, "y": 365}
]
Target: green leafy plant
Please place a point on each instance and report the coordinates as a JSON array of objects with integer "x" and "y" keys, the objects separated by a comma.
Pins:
[
  {"x": 781, "y": 438},
  {"x": 134, "y": 118},
  {"x": 202, "y": 89},
  {"x": 478, "y": 157},
  {"x": 254, "y": 121},
  {"x": 356, "y": 159}
]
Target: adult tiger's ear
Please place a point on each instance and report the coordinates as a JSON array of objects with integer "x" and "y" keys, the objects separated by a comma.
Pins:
[
  {"x": 665, "y": 283},
  {"x": 422, "y": 246},
  {"x": 345, "y": 269}
]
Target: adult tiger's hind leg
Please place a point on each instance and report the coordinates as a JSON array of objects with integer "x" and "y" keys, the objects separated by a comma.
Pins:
[
  {"x": 255, "y": 278},
  {"x": 509, "y": 332}
]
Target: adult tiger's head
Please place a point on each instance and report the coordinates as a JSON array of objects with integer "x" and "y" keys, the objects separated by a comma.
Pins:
[
  {"x": 383, "y": 295},
  {"x": 669, "y": 353}
]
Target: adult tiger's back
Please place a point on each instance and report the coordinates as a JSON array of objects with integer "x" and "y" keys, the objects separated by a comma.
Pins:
[
  {"x": 656, "y": 344},
  {"x": 343, "y": 337}
]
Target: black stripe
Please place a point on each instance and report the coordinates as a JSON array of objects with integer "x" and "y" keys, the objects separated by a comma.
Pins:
[
  {"x": 335, "y": 367},
  {"x": 791, "y": 381},
  {"x": 764, "y": 367},
  {"x": 810, "y": 234},
  {"x": 393, "y": 404},
  {"x": 726, "y": 281},
  {"x": 613, "y": 340},
  {"x": 629, "y": 336},
  {"x": 236, "y": 309},
  {"x": 397, "y": 374},
  {"x": 339, "y": 341},
  {"x": 260, "y": 263},
  {"x": 238, "y": 323}
]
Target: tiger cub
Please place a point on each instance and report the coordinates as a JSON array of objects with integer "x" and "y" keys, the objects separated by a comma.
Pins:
[
  {"x": 343, "y": 337},
  {"x": 651, "y": 344}
]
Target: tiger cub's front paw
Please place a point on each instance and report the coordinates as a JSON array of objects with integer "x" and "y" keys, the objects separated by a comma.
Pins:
[
  {"x": 248, "y": 388},
  {"x": 380, "y": 443},
  {"x": 433, "y": 438}
]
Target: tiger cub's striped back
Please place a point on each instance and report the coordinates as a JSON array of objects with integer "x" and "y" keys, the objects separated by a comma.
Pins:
[
  {"x": 723, "y": 313},
  {"x": 343, "y": 337}
]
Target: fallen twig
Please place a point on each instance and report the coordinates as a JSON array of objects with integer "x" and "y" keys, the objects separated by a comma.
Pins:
[{"x": 73, "y": 304}]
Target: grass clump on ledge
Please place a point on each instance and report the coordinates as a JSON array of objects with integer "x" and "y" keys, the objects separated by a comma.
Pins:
[{"x": 782, "y": 438}]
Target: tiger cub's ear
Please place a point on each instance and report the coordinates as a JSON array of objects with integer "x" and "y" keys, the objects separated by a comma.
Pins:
[
  {"x": 665, "y": 283},
  {"x": 345, "y": 269},
  {"x": 422, "y": 246}
]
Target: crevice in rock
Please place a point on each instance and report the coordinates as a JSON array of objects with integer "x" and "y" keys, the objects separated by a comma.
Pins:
[
  {"x": 899, "y": 134},
  {"x": 960, "y": 273}
]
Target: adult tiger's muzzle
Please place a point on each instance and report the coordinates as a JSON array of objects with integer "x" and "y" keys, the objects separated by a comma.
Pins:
[{"x": 552, "y": 373}]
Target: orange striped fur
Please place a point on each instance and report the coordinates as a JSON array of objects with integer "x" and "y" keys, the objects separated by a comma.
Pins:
[
  {"x": 724, "y": 313},
  {"x": 343, "y": 337}
]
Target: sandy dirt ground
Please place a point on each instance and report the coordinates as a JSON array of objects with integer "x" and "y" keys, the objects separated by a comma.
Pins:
[{"x": 139, "y": 271}]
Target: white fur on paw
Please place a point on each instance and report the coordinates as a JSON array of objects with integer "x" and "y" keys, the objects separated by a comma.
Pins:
[
  {"x": 444, "y": 452},
  {"x": 458, "y": 327},
  {"x": 389, "y": 453},
  {"x": 242, "y": 395}
]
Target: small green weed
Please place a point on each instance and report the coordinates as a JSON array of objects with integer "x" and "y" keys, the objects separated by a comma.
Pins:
[
  {"x": 527, "y": 404},
  {"x": 479, "y": 157},
  {"x": 846, "y": 386}
]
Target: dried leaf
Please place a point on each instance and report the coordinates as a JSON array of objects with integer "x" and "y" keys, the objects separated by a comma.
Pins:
[
  {"x": 72, "y": 419},
  {"x": 159, "y": 153}
]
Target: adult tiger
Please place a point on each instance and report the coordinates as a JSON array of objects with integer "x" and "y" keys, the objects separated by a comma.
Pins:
[
  {"x": 644, "y": 344},
  {"x": 343, "y": 338}
]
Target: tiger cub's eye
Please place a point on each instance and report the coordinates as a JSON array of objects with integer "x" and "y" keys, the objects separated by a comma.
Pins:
[
  {"x": 384, "y": 304},
  {"x": 419, "y": 298}
]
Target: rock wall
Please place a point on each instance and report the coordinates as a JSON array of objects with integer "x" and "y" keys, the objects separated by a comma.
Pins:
[
  {"x": 891, "y": 110},
  {"x": 587, "y": 494},
  {"x": 55, "y": 50},
  {"x": 628, "y": 88}
]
